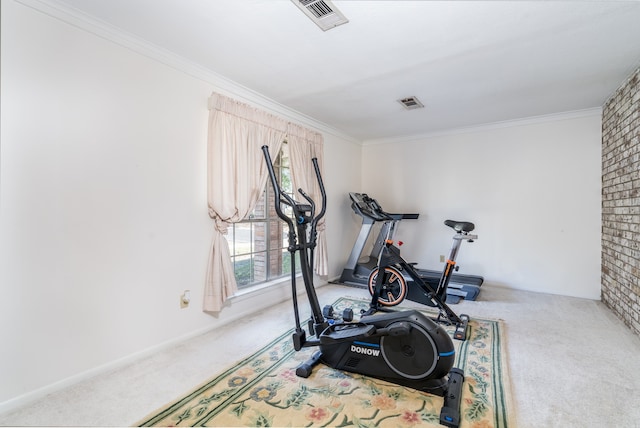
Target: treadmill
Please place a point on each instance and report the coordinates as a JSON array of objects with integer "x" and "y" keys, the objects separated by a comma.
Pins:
[{"x": 356, "y": 272}]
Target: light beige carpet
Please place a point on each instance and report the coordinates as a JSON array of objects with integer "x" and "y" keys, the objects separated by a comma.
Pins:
[{"x": 262, "y": 390}]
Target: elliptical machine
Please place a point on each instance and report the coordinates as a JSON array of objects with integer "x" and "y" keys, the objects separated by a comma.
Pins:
[{"x": 406, "y": 348}]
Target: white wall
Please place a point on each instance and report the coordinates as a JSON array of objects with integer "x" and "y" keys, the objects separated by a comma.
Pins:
[
  {"x": 342, "y": 176},
  {"x": 531, "y": 187},
  {"x": 103, "y": 216}
]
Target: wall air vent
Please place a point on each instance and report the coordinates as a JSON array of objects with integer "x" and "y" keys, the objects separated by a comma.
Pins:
[
  {"x": 411, "y": 103},
  {"x": 322, "y": 12}
]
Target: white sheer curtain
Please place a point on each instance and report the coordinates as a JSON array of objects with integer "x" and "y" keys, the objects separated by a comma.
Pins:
[
  {"x": 237, "y": 174},
  {"x": 304, "y": 145}
]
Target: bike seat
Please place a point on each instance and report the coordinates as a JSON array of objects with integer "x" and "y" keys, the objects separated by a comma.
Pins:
[{"x": 460, "y": 226}]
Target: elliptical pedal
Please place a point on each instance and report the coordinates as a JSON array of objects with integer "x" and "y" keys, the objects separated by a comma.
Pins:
[
  {"x": 461, "y": 329},
  {"x": 450, "y": 412}
]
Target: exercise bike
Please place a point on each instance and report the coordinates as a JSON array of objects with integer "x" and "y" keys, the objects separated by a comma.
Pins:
[
  {"x": 406, "y": 348},
  {"x": 391, "y": 288}
]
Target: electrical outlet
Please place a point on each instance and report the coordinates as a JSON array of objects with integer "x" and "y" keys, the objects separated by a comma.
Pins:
[
  {"x": 441, "y": 258},
  {"x": 185, "y": 299}
]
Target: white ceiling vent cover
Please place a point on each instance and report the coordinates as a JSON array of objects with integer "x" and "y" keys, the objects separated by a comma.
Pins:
[
  {"x": 322, "y": 12},
  {"x": 411, "y": 103}
]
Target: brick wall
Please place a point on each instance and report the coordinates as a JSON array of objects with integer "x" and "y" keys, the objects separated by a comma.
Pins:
[{"x": 621, "y": 202}]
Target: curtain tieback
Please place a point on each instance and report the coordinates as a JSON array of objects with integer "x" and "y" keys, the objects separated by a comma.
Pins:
[{"x": 221, "y": 225}]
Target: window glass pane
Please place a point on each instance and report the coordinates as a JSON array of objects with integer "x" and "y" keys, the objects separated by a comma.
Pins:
[
  {"x": 260, "y": 266},
  {"x": 243, "y": 268},
  {"x": 243, "y": 239},
  {"x": 278, "y": 235},
  {"x": 285, "y": 262},
  {"x": 275, "y": 262},
  {"x": 285, "y": 180},
  {"x": 260, "y": 236}
]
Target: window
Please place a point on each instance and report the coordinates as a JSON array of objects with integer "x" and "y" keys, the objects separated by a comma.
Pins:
[{"x": 258, "y": 244}]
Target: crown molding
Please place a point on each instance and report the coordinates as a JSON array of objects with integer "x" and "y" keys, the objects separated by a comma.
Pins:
[
  {"x": 489, "y": 126},
  {"x": 221, "y": 84}
]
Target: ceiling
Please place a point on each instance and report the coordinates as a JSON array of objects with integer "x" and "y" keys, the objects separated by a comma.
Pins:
[{"x": 468, "y": 62}]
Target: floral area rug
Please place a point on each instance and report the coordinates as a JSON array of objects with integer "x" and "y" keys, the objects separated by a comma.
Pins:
[{"x": 263, "y": 390}]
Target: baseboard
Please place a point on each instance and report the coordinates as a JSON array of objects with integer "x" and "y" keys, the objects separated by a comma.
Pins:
[
  {"x": 244, "y": 305},
  {"x": 39, "y": 393}
]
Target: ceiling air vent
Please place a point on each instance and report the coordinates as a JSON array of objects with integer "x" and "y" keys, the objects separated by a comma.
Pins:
[
  {"x": 322, "y": 12},
  {"x": 411, "y": 103}
]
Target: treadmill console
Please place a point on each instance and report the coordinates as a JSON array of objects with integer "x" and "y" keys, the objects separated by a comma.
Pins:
[{"x": 365, "y": 206}]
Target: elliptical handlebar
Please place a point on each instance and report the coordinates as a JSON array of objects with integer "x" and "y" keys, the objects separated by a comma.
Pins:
[
  {"x": 323, "y": 209},
  {"x": 298, "y": 208}
]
